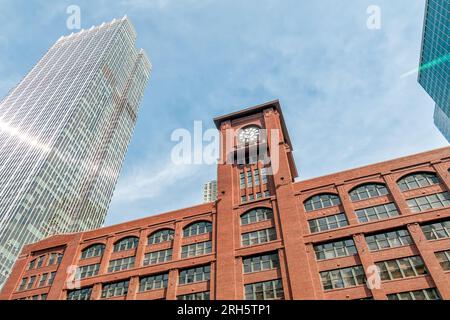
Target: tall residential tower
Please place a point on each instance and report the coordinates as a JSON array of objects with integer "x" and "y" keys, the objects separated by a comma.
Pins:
[
  {"x": 434, "y": 71},
  {"x": 64, "y": 131}
]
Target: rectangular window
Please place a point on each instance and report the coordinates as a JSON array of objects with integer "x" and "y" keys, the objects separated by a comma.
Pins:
[
  {"x": 260, "y": 263},
  {"x": 432, "y": 201},
  {"x": 444, "y": 259},
  {"x": 40, "y": 261},
  {"x": 195, "y": 296},
  {"x": 258, "y": 195},
  {"x": 89, "y": 271},
  {"x": 376, "y": 213},
  {"x": 335, "y": 249},
  {"x": 437, "y": 230},
  {"x": 153, "y": 282},
  {"x": 31, "y": 282},
  {"x": 43, "y": 280},
  {"x": 425, "y": 294},
  {"x": 267, "y": 290},
  {"x": 158, "y": 257},
  {"x": 51, "y": 278},
  {"x": 242, "y": 180},
  {"x": 115, "y": 289},
  {"x": 343, "y": 278},
  {"x": 121, "y": 264},
  {"x": 51, "y": 259},
  {"x": 251, "y": 197},
  {"x": 80, "y": 294},
  {"x": 249, "y": 179},
  {"x": 31, "y": 265},
  {"x": 260, "y": 236},
  {"x": 193, "y": 275},
  {"x": 263, "y": 173},
  {"x": 196, "y": 249},
  {"x": 328, "y": 223},
  {"x": 256, "y": 177},
  {"x": 386, "y": 240},
  {"x": 266, "y": 193},
  {"x": 243, "y": 199},
  {"x": 22, "y": 285},
  {"x": 401, "y": 268}
]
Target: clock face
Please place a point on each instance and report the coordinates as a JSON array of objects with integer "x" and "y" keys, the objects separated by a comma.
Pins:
[{"x": 249, "y": 134}]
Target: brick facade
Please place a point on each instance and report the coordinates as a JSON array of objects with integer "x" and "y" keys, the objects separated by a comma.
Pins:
[{"x": 298, "y": 270}]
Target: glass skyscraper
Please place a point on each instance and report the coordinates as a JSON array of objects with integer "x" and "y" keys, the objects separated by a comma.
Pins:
[
  {"x": 64, "y": 131},
  {"x": 434, "y": 70}
]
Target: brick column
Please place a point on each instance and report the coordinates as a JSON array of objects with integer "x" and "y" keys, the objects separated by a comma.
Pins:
[
  {"x": 106, "y": 255},
  {"x": 225, "y": 235},
  {"x": 212, "y": 281},
  {"x": 367, "y": 262},
  {"x": 141, "y": 248},
  {"x": 239, "y": 279},
  {"x": 171, "y": 293},
  {"x": 96, "y": 291},
  {"x": 69, "y": 259},
  {"x": 289, "y": 213},
  {"x": 133, "y": 288},
  {"x": 430, "y": 260},
  {"x": 348, "y": 205},
  {"x": 395, "y": 192},
  {"x": 315, "y": 275},
  {"x": 177, "y": 239},
  {"x": 172, "y": 283},
  {"x": 443, "y": 174}
]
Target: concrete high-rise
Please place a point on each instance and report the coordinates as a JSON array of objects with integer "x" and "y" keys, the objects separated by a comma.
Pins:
[
  {"x": 434, "y": 70},
  {"x": 64, "y": 131},
  {"x": 210, "y": 191}
]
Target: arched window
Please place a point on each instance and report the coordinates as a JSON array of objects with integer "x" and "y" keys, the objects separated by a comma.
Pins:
[
  {"x": 256, "y": 215},
  {"x": 96, "y": 250},
  {"x": 40, "y": 261},
  {"x": 55, "y": 257},
  {"x": 161, "y": 236},
  {"x": 321, "y": 201},
  {"x": 197, "y": 228},
  {"x": 367, "y": 191},
  {"x": 417, "y": 180},
  {"x": 126, "y": 244}
]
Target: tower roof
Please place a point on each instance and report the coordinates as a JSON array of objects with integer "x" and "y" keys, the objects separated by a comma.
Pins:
[{"x": 257, "y": 109}]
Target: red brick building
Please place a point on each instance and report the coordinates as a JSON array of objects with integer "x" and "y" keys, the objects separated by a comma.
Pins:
[{"x": 266, "y": 237}]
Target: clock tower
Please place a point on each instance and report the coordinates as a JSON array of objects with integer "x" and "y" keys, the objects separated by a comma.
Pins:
[{"x": 257, "y": 170}]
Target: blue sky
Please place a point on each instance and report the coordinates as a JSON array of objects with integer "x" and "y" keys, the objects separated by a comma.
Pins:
[{"x": 339, "y": 83}]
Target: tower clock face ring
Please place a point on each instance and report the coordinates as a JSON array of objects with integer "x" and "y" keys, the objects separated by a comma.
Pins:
[{"x": 248, "y": 134}]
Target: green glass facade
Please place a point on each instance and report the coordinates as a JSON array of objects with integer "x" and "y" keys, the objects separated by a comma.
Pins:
[{"x": 434, "y": 71}]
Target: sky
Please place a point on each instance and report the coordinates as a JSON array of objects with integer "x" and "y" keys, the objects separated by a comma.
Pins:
[{"x": 340, "y": 84}]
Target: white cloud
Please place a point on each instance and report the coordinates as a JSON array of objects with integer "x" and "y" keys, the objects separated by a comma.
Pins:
[{"x": 145, "y": 182}]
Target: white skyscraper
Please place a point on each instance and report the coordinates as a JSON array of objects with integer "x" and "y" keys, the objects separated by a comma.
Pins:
[
  {"x": 64, "y": 131},
  {"x": 210, "y": 191}
]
